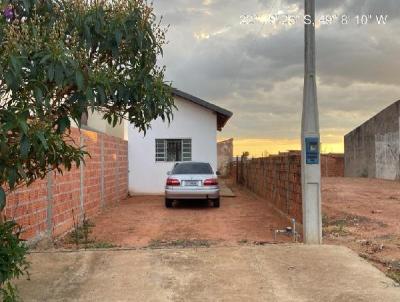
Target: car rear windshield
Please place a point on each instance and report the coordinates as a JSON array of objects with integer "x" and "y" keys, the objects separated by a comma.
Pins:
[{"x": 192, "y": 168}]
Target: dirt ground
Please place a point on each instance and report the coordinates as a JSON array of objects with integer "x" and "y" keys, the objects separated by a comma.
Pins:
[
  {"x": 364, "y": 215},
  {"x": 276, "y": 273},
  {"x": 220, "y": 261},
  {"x": 143, "y": 220}
]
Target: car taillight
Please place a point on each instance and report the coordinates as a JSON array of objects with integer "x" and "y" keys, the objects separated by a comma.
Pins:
[
  {"x": 211, "y": 182},
  {"x": 173, "y": 182}
]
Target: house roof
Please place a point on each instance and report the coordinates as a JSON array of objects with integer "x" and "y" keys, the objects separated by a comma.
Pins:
[{"x": 223, "y": 115}]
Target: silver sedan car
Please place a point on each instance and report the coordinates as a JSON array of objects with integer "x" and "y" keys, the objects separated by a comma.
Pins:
[{"x": 192, "y": 180}]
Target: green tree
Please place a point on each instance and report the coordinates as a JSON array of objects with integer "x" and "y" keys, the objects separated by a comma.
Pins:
[{"x": 60, "y": 59}]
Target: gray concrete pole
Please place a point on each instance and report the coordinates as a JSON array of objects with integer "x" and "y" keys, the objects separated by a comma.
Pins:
[{"x": 310, "y": 139}]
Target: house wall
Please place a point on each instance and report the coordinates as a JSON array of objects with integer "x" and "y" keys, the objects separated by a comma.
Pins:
[
  {"x": 146, "y": 176},
  {"x": 51, "y": 205},
  {"x": 96, "y": 122},
  {"x": 373, "y": 149}
]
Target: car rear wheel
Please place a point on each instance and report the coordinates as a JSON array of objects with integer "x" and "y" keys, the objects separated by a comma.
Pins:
[
  {"x": 216, "y": 203},
  {"x": 168, "y": 203}
]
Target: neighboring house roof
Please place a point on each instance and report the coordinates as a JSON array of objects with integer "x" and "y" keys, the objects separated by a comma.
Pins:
[{"x": 223, "y": 115}]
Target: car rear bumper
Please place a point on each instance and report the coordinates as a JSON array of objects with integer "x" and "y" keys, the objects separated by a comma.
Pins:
[{"x": 176, "y": 193}]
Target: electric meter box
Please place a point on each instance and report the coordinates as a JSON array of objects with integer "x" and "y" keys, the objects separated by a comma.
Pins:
[{"x": 312, "y": 150}]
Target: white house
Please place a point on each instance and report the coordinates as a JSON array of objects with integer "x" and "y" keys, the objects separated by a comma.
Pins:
[{"x": 191, "y": 136}]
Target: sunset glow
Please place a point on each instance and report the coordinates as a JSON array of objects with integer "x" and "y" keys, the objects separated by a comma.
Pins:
[{"x": 261, "y": 147}]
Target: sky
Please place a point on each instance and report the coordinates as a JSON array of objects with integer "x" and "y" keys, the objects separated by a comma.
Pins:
[{"x": 234, "y": 54}]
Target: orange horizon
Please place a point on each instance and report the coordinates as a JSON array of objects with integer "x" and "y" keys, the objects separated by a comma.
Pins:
[{"x": 260, "y": 146}]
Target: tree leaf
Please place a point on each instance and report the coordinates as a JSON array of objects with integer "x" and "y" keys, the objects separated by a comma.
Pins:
[
  {"x": 63, "y": 123},
  {"x": 10, "y": 79},
  {"x": 118, "y": 37},
  {"x": 45, "y": 59},
  {"x": 89, "y": 94},
  {"x": 59, "y": 74},
  {"x": 25, "y": 146},
  {"x": 27, "y": 4},
  {"x": 15, "y": 64},
  {"x": 79, "y": 79},
  {"x": 102, "y": 94},
  {"x": 37, "y": 92},
  {"x": 12, "y": 177},
  {"x": 42, "y": 139},
  {"x": 2, "y": 199},
  {"x": 50, "y": 72},
  {"x": 23, "y": 125}
]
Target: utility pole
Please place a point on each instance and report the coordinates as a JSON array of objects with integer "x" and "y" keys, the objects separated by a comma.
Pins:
[{"x": 310, "y": 138}]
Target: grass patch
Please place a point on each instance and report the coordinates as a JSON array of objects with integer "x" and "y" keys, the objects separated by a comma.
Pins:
[
  {"x": 336, "y": 230},
  {"x": 394, "y": 275},
  {"x": 81, "y": 233},
  {"x": 325, "y": 220},
  {"x": 335, "y": 227},
  {"x": 101, "y": 245},
  {"x": 181, "y": 243},
  {"x": 347, "y": 220},
  {"x": 338, "y": 226}
]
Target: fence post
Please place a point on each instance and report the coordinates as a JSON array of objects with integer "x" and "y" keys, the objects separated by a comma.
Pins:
[
  {"x": 49, "y": 220},
  {"x": 116, "y": 170},
  {"x": 102, "y": 201},
  {"x": 287, "y": 183},
  {"x": 237, "y": 169},
  {"x": 82, "y": 177}
]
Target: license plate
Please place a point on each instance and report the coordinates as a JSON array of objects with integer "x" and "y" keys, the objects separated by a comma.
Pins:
[{"x": 191, "y": 183}]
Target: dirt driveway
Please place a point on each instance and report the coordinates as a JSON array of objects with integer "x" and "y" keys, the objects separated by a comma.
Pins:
[
  {"x": 143, "y": 220},
  {"x": 153, "y": 266}
]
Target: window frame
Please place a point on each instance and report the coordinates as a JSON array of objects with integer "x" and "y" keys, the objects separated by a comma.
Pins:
[{"x": 161, "y": 150}]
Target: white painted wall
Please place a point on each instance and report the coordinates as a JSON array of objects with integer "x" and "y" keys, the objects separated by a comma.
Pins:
[
  {"x": 96, "y": 122},
  {"x": 146, "y": 176}
]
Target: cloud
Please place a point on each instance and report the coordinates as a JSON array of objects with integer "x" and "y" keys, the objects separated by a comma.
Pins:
[
  {"x": 257, "y": 70},
  {"x": 352, "y": 7}
]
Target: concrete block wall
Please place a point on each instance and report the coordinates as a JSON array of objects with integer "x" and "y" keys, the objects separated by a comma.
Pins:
[
  {"x": 332, "y": 165},
  {"x": 276, "y": 178},
  {"x": 373, "y": 149},
  {"x": 50, "y": 206}
]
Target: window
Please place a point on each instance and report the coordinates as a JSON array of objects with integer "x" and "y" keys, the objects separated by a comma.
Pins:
[
  {"x": 173, "y": 149},
  {"x": 192, "y": 168}
]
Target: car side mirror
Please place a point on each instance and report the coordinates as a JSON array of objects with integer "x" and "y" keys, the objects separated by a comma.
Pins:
[
  {"x": 218, "y": 173},
  {"x": 169, "y": 173}
]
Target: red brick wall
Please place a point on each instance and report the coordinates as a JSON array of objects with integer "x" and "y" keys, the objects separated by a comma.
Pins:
[
  {"x": 29, "y": 207},
  {"x": 49, "y": 206},
  {"x": 276, "y": 178},
  {"x": 332, "y": 165}
]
